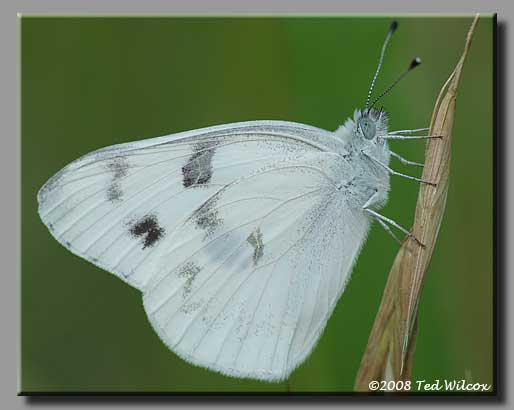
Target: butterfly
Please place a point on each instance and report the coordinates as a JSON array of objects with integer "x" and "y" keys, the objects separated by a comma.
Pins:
[{"x": 241, "y": 237}]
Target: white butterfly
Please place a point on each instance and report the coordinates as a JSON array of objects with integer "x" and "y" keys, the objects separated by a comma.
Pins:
[{"x": 241, "y": 237}]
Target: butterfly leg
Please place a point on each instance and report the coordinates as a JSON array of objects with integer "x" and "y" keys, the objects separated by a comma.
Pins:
[
  {"x": 392, "y": 172},
  {"x": 405, "y": 161},
  {"x": 388, "y": 230},
  {"x": 414, "y": 137},
  {"x": 382, "y": 220},
  {"x": 408, "y": 131}
]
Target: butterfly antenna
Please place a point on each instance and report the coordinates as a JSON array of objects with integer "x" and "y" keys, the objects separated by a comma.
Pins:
[
  {"x": 392, "y": 29},
  {"x": 414, "y": 63}
]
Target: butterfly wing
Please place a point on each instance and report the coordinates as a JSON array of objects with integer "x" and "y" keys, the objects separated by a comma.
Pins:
[
  {"x": 116, "y": 206},
  {"x": 248, "y": 293},
  {"x": 237, "y": 236}
]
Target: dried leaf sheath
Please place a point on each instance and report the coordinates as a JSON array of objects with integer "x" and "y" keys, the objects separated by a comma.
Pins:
[{"x": 391, "y": 344}]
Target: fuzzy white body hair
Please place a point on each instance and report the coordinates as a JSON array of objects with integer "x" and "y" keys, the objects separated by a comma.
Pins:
[{"x": 368, "y": 177}]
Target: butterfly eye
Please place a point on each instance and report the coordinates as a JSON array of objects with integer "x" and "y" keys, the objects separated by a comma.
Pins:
[{"x": 367, "y": 127}]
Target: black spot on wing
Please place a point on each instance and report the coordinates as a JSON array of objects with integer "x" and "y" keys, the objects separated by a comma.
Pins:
[
  {"x": 148, "y": 229},
  {"x": 198, "y": 169},
  {"x": 255, "y": 240},
  {"x": 114, "y": 192},
  {"x": 119, "y": 168},
  {"x": 207, "y": 217},
  {"x": 189, "y": 272}
]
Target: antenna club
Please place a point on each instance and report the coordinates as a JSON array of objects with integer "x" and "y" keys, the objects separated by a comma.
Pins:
[
  {"x": 414, "y": 63},
  {"x": 394, "y": 26}
]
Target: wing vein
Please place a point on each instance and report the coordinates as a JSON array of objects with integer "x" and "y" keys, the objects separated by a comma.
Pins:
[{"x": 159, "y": 281}]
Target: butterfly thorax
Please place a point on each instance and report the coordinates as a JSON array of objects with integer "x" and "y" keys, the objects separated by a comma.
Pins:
[{"x": 362, "y": 142}]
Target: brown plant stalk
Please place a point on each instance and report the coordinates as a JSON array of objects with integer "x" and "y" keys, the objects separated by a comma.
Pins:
[{"x": 391, "y": 344}]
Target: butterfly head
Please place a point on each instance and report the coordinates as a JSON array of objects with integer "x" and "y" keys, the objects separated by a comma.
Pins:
[{"x": 370, "y": 123}]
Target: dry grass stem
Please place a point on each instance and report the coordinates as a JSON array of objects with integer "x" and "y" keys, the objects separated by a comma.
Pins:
[{"x": 391, "y": 344}]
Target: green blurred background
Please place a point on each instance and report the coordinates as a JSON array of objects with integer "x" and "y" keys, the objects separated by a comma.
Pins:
[{"x": 93, "y": 82}]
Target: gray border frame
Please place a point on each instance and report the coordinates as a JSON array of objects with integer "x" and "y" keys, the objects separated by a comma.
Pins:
[{"x": 9, "y": 174}]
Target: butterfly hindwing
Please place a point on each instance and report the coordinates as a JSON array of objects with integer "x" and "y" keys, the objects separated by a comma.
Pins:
[
  {"x": 249, "y": 294},
  {"x": 251, "y": 297}
]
